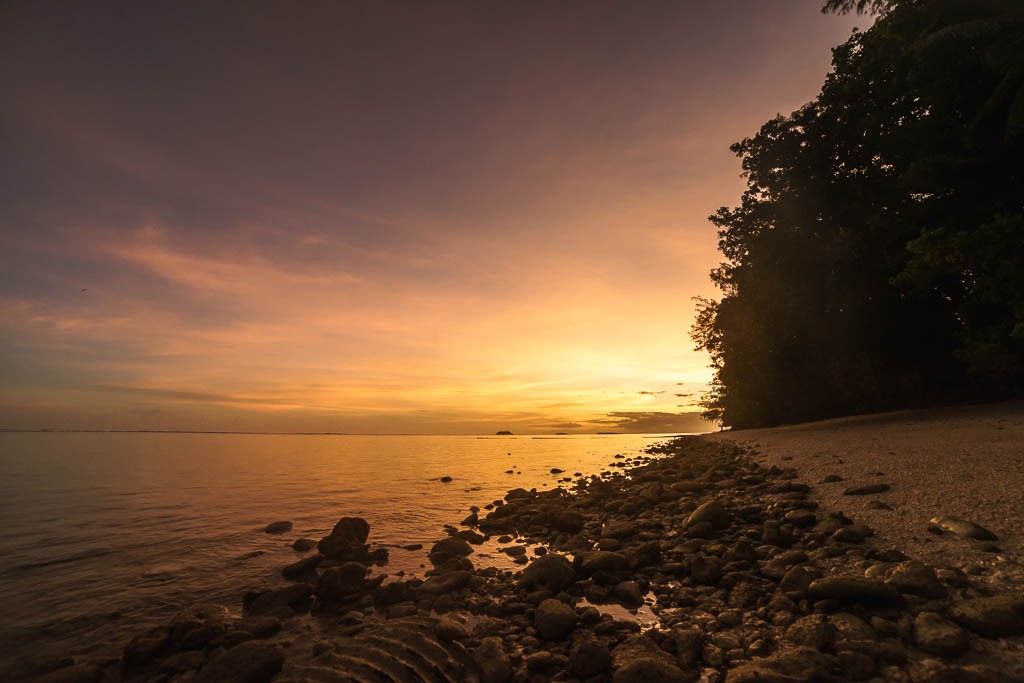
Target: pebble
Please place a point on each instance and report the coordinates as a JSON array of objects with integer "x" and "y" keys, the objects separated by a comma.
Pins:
[
  {"x": 866, "y": 489},
  {"x": 962, "y": 527}
]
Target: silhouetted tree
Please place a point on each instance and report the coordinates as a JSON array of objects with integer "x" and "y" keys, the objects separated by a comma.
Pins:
[{"x": 875, "y": 257}]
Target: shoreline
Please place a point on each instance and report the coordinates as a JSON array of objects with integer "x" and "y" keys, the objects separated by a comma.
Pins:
[{"x": 750, "y": 575}]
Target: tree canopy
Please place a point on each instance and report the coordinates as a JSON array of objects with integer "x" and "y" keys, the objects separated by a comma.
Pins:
[{"x": 875, "y": 258}]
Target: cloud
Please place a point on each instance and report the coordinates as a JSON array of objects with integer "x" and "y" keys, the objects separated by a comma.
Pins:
[
  {"x": 654, "y": 422},
  {"x": 650, "y": 393},
  {"x": 175, "y": 395}
]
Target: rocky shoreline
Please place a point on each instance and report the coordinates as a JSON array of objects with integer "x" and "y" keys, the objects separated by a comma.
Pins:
[{"x": 693, "y": 564}]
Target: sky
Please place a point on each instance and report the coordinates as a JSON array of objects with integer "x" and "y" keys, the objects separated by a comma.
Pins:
[{"x": 375, "y": 217}]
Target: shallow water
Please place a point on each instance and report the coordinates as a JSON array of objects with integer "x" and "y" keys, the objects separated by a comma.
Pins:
[{"x": 105, "y": 534}]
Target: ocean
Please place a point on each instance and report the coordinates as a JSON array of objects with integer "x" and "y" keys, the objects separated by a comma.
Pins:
[{"x": 105, "y": 534}]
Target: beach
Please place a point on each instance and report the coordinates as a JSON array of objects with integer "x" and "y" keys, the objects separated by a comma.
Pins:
[
  {"x": 707, "y": 559},
  {"x": 965, "y": 462}
]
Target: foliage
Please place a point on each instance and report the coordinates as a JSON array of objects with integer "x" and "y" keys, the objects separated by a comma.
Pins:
[{"x": 875, "y": 259}]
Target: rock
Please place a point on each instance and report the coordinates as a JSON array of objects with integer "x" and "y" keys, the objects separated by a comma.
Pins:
[
  {"x": 303, "y": 567},
  {"x": 851, "y": 627},
  {"x": 551, "y": 571},
  {"x": 797, "y": 580},
  {"x": 495, "y": 666},
  {"x": 566, "y": 520},
  {"x": 831, "y": 479},
  {"x": 445, "y": 583},
  {"x": 797, "y": 665},
  {"x": 742, "y": 551},
  {"x": 250, "y": 662},
  {"x": 589, "y": 658},
  {"x": 650, "y": 670},
  {"x": 706, "y": 570},
  {"x": 195, "y": 627},
  {"x": 866, "y": 489},
  {"x": 554, "y": 620},
  {"x": 145, "y": 648},
  {"x": 294, "y": 597},
  {"x": 712, "y": 512},
  {"x": 450, "y": 547},
  {"x": 992, "y": 617},
  {"x": 445, "y": 479},
  {"x": 877, "y": 505},
  {"x": 629, "y": 593},
  {"x": 278, "y": 527},
  {"x": 303, "y": 544},
  {"x": 847, "y": 535},
  {"x": 600, "y": 560},
  {"x": 74, "y": 673},
  {"x": 856, "y": 590},
  {"x": 338, "y": 583},
  {"x": 760, "y": 673},
  {"x": 686, "y": 644},
  {"x": 448, "y": 629},
  {"x": 259, "y": 627},
  {"x": 347, "y": 540},
  {"x": 540, "y": 661},
  {"x": 801, "y": 518},
  {"x": 938, "y": 637},
  {"x": 916, "y": 578},
  {"x": 961, "y": 527},
  {"x": 638, "y": 659},
  {"x": 813, "y": 631}
]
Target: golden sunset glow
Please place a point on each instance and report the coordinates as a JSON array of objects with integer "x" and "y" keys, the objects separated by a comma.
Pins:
[{"x": 391, "y": 237}]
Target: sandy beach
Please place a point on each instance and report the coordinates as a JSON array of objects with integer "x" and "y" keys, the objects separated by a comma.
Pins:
[{"x": 966, "y": 462}]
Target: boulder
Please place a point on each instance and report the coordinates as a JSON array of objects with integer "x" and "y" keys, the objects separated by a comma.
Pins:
[
  {"x": 195, "y": 627},
  {"x": 712, "y": 512},
  {"x": 992, "y": 617},
  {"x": 445, "y": 583},
  {"x": 338, "y": 583},
  {"x": 551, "y": 571},
  {"x": 450, "y": 547},
  {"x": 638, "y": 659},
  {"x": 294, "y": 597},
  {"x": 347, "y": 540},
  {"x": 961, "y": 527},
  {"x": 569, "y": 521},
  {"x": 495, "y": 665},
  {"x": 146, "y": 648},
  {"x": 589, "y": 658},
  {"x": 83, "y": 672},
  {"x": 650, "y": 670},
  {"x": 600, "y": 560},
  {"x": 250, "y": 662},
  {"x": 304, "y": 567},
  {"x": 916, "y": 578},
  {"x": 278, "y": 527},
  {"x": 938, "y": 637},
  {"x": 856, "y": 590},
  {"x": 554, "y": 620}
]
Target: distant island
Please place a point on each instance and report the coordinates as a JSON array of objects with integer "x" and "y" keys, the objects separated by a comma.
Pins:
[{"x": 503, "y": 432}]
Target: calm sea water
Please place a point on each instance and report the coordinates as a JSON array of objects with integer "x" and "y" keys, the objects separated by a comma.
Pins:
[{"x": 104, "y": 534}]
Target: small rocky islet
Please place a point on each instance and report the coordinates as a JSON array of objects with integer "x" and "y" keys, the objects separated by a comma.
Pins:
[{"x": 742, "y": 578}]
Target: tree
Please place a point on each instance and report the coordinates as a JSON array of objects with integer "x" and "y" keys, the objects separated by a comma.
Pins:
[{"x": 862, "y": 267}]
